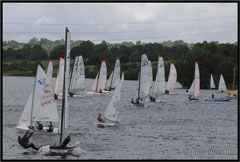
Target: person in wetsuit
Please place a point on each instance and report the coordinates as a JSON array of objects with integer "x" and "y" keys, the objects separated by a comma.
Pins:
[
  {"x": 152, "y": 99},
  {"x": 50, "y": 127},
  {"x": 39, "y": 126},
  {"x": 100, "y": 119},
  {"x": 24, "y": 141}
]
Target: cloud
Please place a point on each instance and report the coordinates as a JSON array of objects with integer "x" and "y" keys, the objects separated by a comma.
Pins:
[{"x": 131, "y": 18}]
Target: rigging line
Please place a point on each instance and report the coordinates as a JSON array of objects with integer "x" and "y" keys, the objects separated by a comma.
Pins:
[{"x": 171, "y": 21}]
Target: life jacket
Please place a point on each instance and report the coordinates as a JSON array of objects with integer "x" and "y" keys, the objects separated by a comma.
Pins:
[{"x": 99, "y": 118}]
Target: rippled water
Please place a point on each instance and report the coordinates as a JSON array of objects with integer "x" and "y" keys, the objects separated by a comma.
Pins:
[{"x": 177, "y": 129}]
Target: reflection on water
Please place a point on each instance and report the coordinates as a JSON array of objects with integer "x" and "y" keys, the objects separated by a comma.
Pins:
[{"x": 159, "y": 131}]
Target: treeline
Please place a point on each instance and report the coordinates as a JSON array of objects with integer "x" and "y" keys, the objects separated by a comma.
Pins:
[{"x": 212, "y": 57}]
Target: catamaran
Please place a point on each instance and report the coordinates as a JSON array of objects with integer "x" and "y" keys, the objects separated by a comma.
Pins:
[
  {"x": 50, "y": 71},
  {"x": 114, "y": 77},
  {"x": 111, "y": 113},
  {"x": 99, "y": 84},
  {"x": 159, "y": 85},
  {"x": 59, "y": 81},
  {"x": 41, "y": 106},
  {"x": 172, "y": 80},
  {"x": 62, "y": 147},
  {"x": 144, "y": 82},
  {"x": 195, "y": 87},
  {"x": 77, "y": 87}
]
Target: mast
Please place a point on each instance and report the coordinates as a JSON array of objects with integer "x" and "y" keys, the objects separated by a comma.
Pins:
[
  {"x": 233, "y": 78},
  {"x": 64, "y": 79},
  {"x": 33, "y": 98},
  {"x": 97, "y": 82}
]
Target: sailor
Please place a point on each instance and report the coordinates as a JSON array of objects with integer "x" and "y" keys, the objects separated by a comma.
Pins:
[
  {"x": 50, "y": 127},
  {"x": 39, "y": 126},
  {"x": 137, "y": 100},
  {"x": 132, "y": 101},
  {"x": 212, "y": 95},
  {"x": 24, "y": 141},
  {"x": 152, "y": 99},
  {"x": 100, "y": 119},
  {"x": 100, "y": 91}
]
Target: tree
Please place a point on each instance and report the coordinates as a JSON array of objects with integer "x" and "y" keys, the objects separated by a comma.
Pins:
[
  {"x": 38, "y": 53},
  {"x": 57, "y": 52},
  {"x": 124, "y": 58}
]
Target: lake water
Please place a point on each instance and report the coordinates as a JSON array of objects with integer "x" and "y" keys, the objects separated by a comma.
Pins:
[{"x": 177, "y": 129}]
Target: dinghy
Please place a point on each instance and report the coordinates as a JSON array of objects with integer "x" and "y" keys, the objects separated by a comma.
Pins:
[
  {"x": 41, "y": 106},
  {"x": 99, "y": 84},
  {"x": 62, "y": 147},
  {"x": 172, "y": 80},
  {"x": 219, "y": 99},
  {"x": 159, "y": 85},
  {"x": 195, "y": 87},
  {"x": 59, "y": 81},
  {"x": 50, "y": 71},
  {"x": 144, "y": 82},
  {"x": 111, "y": 113},
  {"x": 114, "y": 77},
  {"x": 77, "y": 87}
]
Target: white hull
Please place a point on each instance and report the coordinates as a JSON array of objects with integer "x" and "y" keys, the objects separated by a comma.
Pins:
[
  {"x": 47, "y": 149},
  {"x": 103, "y": 125},
  {"x": 44, "y": 131},
  {"x": 96, "y": 93}
]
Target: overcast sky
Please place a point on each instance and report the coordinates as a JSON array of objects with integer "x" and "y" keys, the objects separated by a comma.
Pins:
[{"x": 118, "y": 22}]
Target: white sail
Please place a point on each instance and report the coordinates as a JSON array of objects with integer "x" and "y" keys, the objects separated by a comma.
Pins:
[
  {"x": 109, "y": 81},
  {"x": 191, "y": 90},
  {"x": 67, "y": 80},
  {"x": 102, "y": 77},
  {"x": 145, "y": 77},
  {"x": 81, "y": 80},
  {"x": 42, "y": 107},
  {"x": 222, "y": 85},
  {"x": 112, "y": 109},
  {"x": 116, "y": 74},
  {"x": 159, "y": 86},
  {"x": 172, "y": 78},
  {"x": 74, "y": 76},
  {"x": 94, "y": 85},
  {"x": 151, "y": 76},
  {"x": 59, "y": 80},
  {"x": 212, "y": 85},
  {"x": 50, "y": 71},
  {"x": 196, "y": 92},
  {"x": 25, "y": 119}
]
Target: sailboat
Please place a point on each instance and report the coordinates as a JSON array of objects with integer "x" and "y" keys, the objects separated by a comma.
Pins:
[
  {"x": 144, "y": 82},
  {"x": 195, "y": 87},
  {"x": 114, "y": 77},
  {"x": 159, "y": 85},
  {"x": 50, "y": 71},
  {"x": 59, "y": 81},
  {"x": 40, "y": 106},
  {"x": 172, "y": 80},
  {"x": 111, "y": 113},
  {"x": 77, "y": 87},
  {"x": 99, "y": 84},
  {"x": 219, "y": 99},
  {"x": 222, "y": 85},
  {"x": 64, "y": 115}
]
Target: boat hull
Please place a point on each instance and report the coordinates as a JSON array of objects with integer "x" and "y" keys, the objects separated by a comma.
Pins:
[{"x": 223, "y": 99}]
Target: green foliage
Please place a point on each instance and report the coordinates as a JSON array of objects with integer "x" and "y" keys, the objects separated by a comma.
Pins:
[{"x": 212, "y": 57}]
